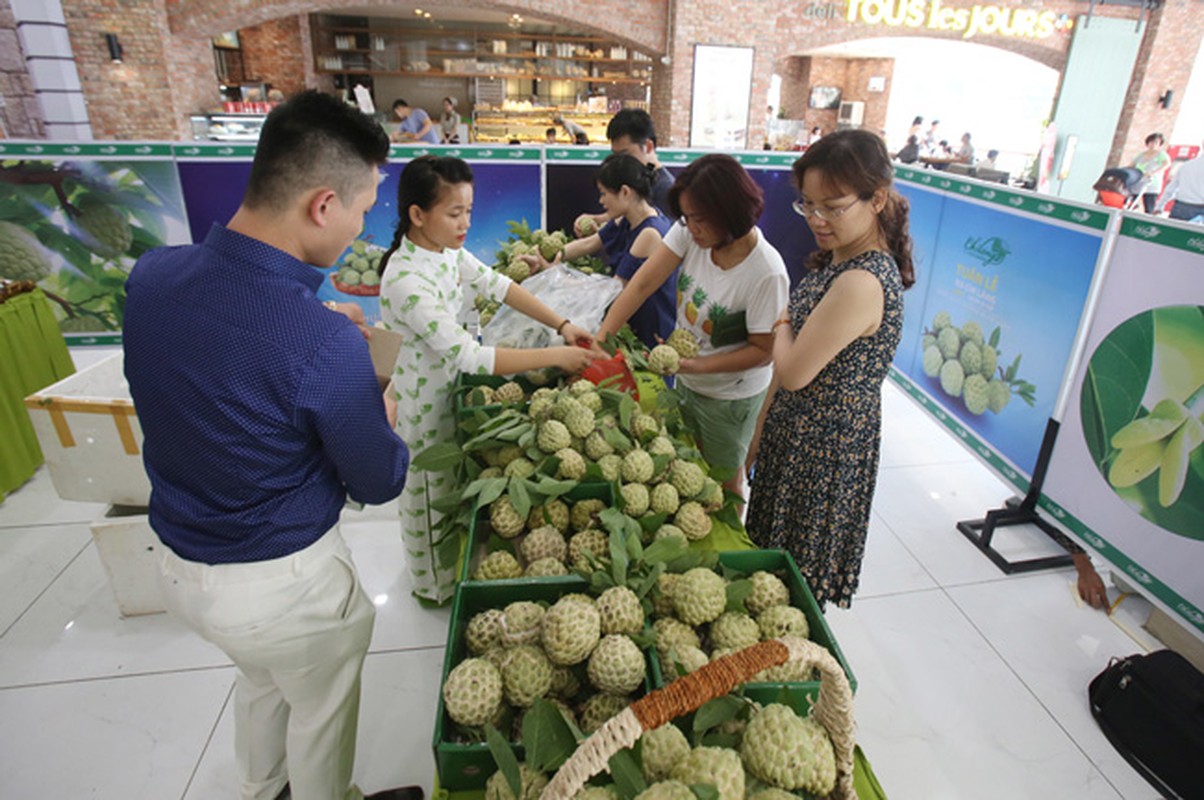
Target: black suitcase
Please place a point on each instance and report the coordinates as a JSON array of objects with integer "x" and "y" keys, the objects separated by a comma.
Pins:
[{"x": 1151, "y": 708}]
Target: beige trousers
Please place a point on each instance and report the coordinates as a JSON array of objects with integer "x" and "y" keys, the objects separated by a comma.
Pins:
[{"x": 297, "y": 628}]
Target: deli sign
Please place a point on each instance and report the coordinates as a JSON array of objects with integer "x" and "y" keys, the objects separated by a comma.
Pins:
[{"x": 1028, "y": 23}]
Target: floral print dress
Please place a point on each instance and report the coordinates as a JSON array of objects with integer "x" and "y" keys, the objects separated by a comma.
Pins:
[
  {"x": 818, "y": 459},
  {"x": 422, "y": 294}
]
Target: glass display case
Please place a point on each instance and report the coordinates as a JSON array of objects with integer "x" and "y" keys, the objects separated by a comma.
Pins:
[{"x": 227, "y": 127}]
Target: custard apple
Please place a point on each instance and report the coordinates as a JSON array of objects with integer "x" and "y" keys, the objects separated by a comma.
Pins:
[
  {"x": 666, "y": 790},
  {"x": 686, "y": 657},
  {"x": 735, "y": 631},
  {"x": 692, "y": 518},
  {"x": 616, "y": 665},
  {"x": 620, "y": 611},
  {"x": 564, "y": 683},
  {"x": 540, "y": 408},
  {"x": 645, "y": 427},
  {"x": 554, "y": 513},
  {"x": 584, "y": 512},
  {"x": 941, "y": 320},
  {"x": 952, "y": 378},
  {"x": 526, "y": 675},
  {"x": 635, "y": 498},
  {"x": 687, "y": 476},
  {"x": 789, "y": 752},
  {"x": 767, "y": 590},
  {"x": 553, "y": 436},
  {"x": 105, "y": 228},
  {"x": 972, "y": 332},
  {"x": 517, "y": 270},
  {"x": 699, "y": 596},
  {"x": 933, "y": 361},
  {"x": 544, "y": 542},
  {"x": 596, "y": 446},
  {"x": 579, "y": 420},
  {"x": 970, "y": 358},
  {"x": 976, "y": 392},
  {"x": 664, "y": 499},
  {"x": 660, "y": 750},
  {"x": 589, "y": 540},
  {"x": 506, "y": 454},
  {"x": 611, "y": 466},
  {"x": 506, "y": 522},
  {"x": 664, "y": 360},
  {"x": 572, "y": 465},
  {"x": 673, "y": 633},
  {"x": 777, "y": 621},
  {"x": 484, "y": 631},
  {"x": 684, "y": 342},
  {"x": 521, "y": 621},
  {"x": 637, "y": 467},
  {"x": 667, "y": 530},
  {"x": 571, "y": 630},
  {"x": 662, "y": 597},
  {"x": 599, "y": 708},
  {"x": 531, "y": 785},
  {"x": 519, "y": 468},
  {"x": 717, "y": 766},
  {"x": 990, "y": 361},
  {"x": 949, "y": 343},
  {"x": 509, "y": 392},
  {"x": 498, "y": 565},
  {"x": 545, "y": 568},
  {"x": 998, "y": 395},
  {"x": 22, "y": 256},
  {"x": 591, "y": 400},
  {"x": 711, "y": 496},
  {"x": 661, "y": 446},
  {"x": 472, "y": 693}
]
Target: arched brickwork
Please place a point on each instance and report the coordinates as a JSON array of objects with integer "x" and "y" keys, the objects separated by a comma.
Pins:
[{"x": 638, "y": 23}]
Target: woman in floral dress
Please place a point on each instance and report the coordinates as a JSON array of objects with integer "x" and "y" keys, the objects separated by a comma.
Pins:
[
  {"x": 819, "y": 432},
  {"x": 422, "y": 294}
]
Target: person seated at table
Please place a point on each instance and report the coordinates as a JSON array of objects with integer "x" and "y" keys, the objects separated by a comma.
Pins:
[
  {"x": 989, "y": 161},
  {"x": 910, "y": 152},
  {"x": 549, "y": 136},
  {"x": 965, "y": 153}
]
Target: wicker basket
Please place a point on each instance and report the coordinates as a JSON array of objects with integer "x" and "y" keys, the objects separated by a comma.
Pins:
[{"x": 833, "y": 709}]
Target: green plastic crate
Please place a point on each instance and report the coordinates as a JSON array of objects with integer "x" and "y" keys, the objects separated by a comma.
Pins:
[
  {"x": 466, "y": 767},
  {"x": 782, "y": 564},
  {"x": 480, "y": 533}
]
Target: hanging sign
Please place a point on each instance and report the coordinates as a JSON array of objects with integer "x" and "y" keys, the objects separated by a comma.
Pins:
[{"x": 995, "y": 20}]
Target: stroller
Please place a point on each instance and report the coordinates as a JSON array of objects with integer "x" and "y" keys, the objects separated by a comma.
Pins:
[{"x": 1120, "y": 187}]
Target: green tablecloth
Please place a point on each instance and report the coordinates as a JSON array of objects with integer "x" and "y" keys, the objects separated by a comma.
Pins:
[{"x": 33, "y": 355}]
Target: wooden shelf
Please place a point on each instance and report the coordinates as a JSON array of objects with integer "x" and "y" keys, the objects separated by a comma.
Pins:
[{"x": 434, "y": 73}]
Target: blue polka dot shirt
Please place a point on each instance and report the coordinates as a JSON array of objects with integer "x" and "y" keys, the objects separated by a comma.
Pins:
[{"x": 259, "y": 407}]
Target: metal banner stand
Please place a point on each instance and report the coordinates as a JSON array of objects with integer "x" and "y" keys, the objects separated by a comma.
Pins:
[{"x": 981, "y": 531}]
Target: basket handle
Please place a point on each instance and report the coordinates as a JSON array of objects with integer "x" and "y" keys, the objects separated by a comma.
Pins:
[{"x": 833, "y": 709}]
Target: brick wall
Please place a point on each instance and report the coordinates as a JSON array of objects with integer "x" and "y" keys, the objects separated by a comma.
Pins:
[
  {"x": 271, "y": 54},
  {"x": 21, "y": 115},
  {"x": 1164, "y": 62}
]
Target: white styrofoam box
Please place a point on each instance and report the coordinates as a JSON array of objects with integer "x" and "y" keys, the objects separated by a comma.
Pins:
[
  {"x": 129, "y": 549},
  {"x": 90, "y": 436}
]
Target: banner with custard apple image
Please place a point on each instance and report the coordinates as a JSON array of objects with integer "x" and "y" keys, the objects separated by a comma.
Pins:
[
  {"x": 506, "y": 185},
  {"x": 1127, "y": 471},
  {"x": 991, "y": 335},
  {"x": 75, "y": 217}
]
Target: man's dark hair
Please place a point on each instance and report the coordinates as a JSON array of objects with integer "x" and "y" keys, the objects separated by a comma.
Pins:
[
  {"x": 399, "y": 103},
  {"x": 310, "y": 141},
  {"x": 634, "y": 123}
]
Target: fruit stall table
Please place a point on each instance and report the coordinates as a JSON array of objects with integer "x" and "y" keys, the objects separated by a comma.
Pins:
[{"x": 33, "y": 355}]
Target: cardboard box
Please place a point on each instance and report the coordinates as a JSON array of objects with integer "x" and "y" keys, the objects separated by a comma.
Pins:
[
  {"x": 383, "y": 346},
  {"x": 90, "y": 436},
  {"x": 129, "y": 550}
]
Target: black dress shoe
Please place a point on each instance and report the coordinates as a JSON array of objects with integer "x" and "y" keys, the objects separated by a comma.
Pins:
[{"x": 400, "y": 793}]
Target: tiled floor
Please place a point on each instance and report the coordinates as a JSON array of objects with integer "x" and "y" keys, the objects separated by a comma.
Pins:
[{"x": 972, "y": 683}]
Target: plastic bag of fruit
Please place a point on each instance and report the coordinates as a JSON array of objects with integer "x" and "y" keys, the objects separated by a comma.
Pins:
[{"x": 570, "y": 293}]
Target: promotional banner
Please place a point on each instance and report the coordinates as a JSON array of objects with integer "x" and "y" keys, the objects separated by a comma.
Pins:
[
  {"x": 74, "y": 217},
  {"x": 924, "y": 223},
  {"x": 988, "y": 350},
  {"x": 506, "y": 186},
  {"x": 1127, "y": 471}
]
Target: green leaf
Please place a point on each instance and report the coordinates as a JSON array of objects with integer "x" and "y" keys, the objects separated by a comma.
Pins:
[
  {"x": 492, "y": 491},
  {"x": 474, "y": 488},
  {"x": 716, "y": 712},
  {"x": 627, "y": 407},
  {"x": 618, "y": 556},
  {"x": 736, "y": 592},
  {"x": 547, "y": 739},
  {"x": 503, "y": 756},
  {"x": 663, "y": 551},
  {"x": 1115, "y": 382},
  {"x": 629, "y": 778},
  {"x": 447, "y": 503},
  {"x": 729, "y": 516},
  {"x": 644, "y": 586},
  {"x": 994, "y": 339},
  {"x": 617, "y": 440},
  {"x": 438, "y": 457},
  {"x": 653, "y": 522},
  {"x": 519, "y": 498}
]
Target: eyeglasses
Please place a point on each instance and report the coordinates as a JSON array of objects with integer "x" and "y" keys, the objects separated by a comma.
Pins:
[{"x": 805, "y": 209}]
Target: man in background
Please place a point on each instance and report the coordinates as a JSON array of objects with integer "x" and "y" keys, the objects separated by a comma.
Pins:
[
  {"x": 631, "y": 131},
  {"x": 1187, "y": 190},
  {"x": 261, "y": 414},
  {"x": 415, "y": 125}
]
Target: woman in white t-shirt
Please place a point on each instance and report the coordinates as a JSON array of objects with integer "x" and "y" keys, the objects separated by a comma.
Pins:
[{"x": 731, "y": 286}]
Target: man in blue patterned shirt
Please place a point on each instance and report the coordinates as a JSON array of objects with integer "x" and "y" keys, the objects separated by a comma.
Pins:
[{"x": 261, "y": 413}]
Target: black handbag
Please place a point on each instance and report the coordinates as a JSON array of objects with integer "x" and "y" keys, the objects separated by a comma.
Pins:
[{"x": 1151, "y": 708}]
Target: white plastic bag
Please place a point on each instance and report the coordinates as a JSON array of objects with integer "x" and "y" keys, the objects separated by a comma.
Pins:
[{"x": 579, "y": 297}]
